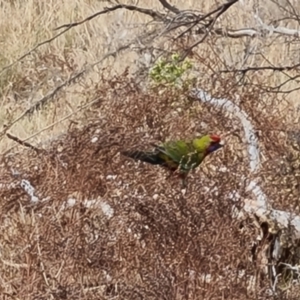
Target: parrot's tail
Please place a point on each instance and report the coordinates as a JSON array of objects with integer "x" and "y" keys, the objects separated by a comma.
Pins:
[{"x": 149, "y": 157}]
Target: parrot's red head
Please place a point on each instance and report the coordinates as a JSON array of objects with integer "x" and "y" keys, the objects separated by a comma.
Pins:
[{"x": 215, "y": 143}]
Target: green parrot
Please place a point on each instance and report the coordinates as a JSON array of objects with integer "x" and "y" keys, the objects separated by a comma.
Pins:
[{"x": 179, "y": 156}]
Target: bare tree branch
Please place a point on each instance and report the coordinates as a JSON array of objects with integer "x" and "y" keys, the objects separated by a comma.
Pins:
[
  {"x": 198, "y": 18},
  {"x": 220, "y": 10},
  {"x": 169, "y": 7},
  {"x": 255, "y": 69},
  {"x": 149, "y": 12}
]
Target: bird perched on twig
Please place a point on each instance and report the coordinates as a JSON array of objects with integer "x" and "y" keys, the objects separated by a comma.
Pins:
[{"x": 179, "y": 156}]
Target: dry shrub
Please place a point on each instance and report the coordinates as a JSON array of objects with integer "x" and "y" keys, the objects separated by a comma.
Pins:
[{"x": 108, "y": 227}]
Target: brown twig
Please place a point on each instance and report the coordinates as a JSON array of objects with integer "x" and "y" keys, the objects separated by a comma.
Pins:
[
  {"x": 149, "y": 12},
  {"x": 169, "y": 7},
  {"x": 23, "y": 143},
  {"x": 256, "y": 69},
  {"x": 210, "y": 25},
  {"x": 219, "y": 10}
]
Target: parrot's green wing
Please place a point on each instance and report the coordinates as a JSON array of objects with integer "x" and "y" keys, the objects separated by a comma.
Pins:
[{"x": 180, "y": 154}]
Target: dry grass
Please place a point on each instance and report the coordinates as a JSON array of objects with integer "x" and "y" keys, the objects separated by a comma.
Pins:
[{"x": 110, "y": 228}]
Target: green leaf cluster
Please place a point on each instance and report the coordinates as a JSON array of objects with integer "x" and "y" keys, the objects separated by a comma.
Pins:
[{"x": 170, "y": 72}]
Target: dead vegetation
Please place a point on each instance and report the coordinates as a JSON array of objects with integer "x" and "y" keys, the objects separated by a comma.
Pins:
[
  {"x": 105, "y": 226},
  {"x": 79, "y": 221}
]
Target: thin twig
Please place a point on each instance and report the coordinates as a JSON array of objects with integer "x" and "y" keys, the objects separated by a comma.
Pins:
[
  {"x": 149, "y": 12},
  {"x": 220, "y": 10},
  {"x": 23, "y": 143},
  {"x": 255, "y": 69},
  {"x": 169, "y": 7}
]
